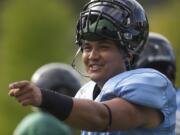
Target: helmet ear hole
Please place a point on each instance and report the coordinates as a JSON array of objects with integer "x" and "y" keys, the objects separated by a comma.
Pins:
[
  {"x": 130, "y": 56},
  {"x": 104, "y": 28}
]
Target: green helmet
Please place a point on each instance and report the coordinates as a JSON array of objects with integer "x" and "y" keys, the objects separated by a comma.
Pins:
[{"x": 41, "y": 123}]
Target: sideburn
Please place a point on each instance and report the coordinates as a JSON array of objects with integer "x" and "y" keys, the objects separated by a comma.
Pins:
[{"x": 127, "y": 57}]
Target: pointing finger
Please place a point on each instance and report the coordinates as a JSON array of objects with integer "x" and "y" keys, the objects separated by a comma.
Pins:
[
  {"x": 12, "y": 92},
  {"x": 19, "y": 84}
]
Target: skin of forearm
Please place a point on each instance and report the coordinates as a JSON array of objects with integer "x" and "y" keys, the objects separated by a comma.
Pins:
[{"x": 88, "y": 115}]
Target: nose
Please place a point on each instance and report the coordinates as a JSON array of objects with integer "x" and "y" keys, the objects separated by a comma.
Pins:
[{"x": 94, "y": 54}]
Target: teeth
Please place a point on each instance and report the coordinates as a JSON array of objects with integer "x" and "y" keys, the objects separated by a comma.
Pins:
[{"x": 94, "y": 67}]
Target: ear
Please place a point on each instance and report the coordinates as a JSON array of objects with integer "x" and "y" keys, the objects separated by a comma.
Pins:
[{"x": 130, "y": 56}]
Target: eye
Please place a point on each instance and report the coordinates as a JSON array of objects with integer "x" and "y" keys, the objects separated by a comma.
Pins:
[
  {"x": 86, "y": 48},
  {"x": 104, "y": 46}
]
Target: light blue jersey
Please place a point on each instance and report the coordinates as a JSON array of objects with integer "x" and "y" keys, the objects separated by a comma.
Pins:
[
  {"x": 178, "y": 112},
  {"x": 146, "y": 87},
  {"x": 178, "y": 99}
]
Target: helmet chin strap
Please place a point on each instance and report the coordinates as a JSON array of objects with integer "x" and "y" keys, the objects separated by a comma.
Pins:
[
  {"x": 127, "y": 63},
  {"x": 74, "y": 65},
  {"x": 75, "y": 56}
]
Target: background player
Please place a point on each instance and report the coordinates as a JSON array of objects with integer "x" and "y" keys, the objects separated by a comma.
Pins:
[
  {"x": 57, "y": 77},
  {"x": 158, "y": 54}
]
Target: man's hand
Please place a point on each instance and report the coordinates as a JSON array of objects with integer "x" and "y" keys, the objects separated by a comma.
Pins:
[{"x": 26, "y": 93}]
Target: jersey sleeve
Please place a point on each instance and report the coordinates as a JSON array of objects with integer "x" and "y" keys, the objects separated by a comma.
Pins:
[{"x": 146, "y": 90}]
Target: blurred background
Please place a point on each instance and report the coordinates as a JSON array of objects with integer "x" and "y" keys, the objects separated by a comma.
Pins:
[{"x": 36, "y": 32}]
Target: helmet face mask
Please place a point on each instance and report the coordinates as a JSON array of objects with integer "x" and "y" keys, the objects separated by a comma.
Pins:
[{"x": 123, "y": 21}]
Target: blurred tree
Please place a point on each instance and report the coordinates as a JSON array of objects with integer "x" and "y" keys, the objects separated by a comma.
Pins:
[
  {"x": 1, "y": 4},
  {"x": 165, "y": 19},
  {"x": 35, "y": 32},
  {"x": 151, "y": 3},
  {"x": 77, "y": 5}
]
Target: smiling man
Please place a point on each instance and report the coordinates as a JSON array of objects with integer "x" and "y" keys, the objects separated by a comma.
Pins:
[{"x": 117, "y": 100}]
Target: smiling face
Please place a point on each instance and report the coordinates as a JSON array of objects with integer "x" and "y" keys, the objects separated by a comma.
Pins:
[{"x": 102, "y": 60}]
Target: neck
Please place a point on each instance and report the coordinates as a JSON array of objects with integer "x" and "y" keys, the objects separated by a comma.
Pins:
[{"x": 100, "y": 85}]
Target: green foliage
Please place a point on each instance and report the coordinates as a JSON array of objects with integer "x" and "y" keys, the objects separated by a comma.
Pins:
[
  {"x": 35, "y": 32},
  {"x": 166, "y": 20}
]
